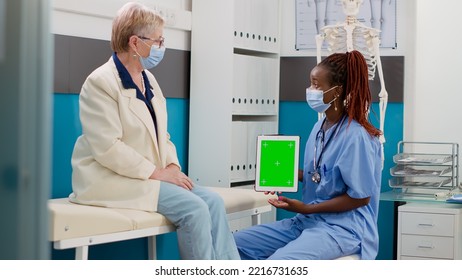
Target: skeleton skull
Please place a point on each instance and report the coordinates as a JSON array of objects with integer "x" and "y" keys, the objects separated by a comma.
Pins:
[{"x": 351, "y": 7}]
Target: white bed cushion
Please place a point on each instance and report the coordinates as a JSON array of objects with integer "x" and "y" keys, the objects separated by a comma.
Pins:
[
  {"x": 69, "y": 220},
  {"x": 241, "y": 199}
]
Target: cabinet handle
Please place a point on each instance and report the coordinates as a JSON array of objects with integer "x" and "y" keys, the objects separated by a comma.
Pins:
[
  {"x": 426, "y": 225},
  {"x": 425, "y": 246}
]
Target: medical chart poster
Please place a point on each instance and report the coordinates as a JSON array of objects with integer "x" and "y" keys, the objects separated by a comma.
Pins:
[{"x": 312, "y": 15}]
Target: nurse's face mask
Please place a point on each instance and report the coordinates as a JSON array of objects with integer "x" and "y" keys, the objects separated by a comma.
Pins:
[{"x": 315, "y": 99}]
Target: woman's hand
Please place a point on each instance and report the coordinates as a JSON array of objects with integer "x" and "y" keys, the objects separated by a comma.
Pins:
[
  {"x": 337, "y": 204},
  {"x": 172, "y": 174},
  {"x": 288, "y": 204}
]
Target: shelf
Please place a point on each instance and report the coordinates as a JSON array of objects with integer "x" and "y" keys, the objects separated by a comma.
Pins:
[
  {"x": 418, "y": 182},
  {"x": 251, "y": 114},
  {"x": 418, "y": 195},
  {"x": 422, "y": 159},
  {"x": 248, "y": 51},
  {"x": 405, "y": 196},
  {"x": 234, "y": 88},
  {"x": 420, "y": 171},
  {"x": 425, "y": 168}
]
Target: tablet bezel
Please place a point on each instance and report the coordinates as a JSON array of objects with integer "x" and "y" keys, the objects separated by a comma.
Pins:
[{"x": 294, "y": 186}]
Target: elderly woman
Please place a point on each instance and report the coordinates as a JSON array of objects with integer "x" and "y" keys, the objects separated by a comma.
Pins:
[{"x": 124, "y": 157}]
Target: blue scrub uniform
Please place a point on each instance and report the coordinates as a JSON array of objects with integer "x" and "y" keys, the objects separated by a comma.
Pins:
[{"x": 351, "y": 163}]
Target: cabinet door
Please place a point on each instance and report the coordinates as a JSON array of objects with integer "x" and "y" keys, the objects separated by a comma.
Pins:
[
  {"x": 427, "y": 224},
  {"x": 427, "y": 246}
]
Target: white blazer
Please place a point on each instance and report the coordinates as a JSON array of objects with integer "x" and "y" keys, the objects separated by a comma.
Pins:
[{"x": 119, "y": 147}]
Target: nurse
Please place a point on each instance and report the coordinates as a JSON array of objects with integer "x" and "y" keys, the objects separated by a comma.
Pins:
[{"x": 341, "y": 175}]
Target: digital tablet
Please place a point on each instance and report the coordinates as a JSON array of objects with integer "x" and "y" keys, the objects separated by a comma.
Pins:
[{"x": 277, "y": 163}]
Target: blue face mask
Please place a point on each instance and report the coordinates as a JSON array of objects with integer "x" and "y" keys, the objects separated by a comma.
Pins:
[
  {"x": 315, "y": 99},
  {"x": 155, "y": 56}
]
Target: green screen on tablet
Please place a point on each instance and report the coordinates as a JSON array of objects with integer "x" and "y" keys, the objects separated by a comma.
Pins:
[{"x": 277, "y": 163}]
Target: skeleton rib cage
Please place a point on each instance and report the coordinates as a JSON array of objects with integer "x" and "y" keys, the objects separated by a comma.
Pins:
[{"x": 361, "y": 39}]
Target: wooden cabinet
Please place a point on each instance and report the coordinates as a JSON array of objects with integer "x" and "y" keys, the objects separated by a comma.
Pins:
[{"x": 429, "y": 231}]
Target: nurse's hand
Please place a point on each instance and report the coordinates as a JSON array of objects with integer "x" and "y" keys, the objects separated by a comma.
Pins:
[
  {"x": 172, "y": 174},
  {"x": 288, "y": 204},
  {"x": 272, "y": 193}
]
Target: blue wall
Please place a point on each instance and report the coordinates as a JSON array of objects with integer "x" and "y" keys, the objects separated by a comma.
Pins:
[{"x": 295, "y": 118}]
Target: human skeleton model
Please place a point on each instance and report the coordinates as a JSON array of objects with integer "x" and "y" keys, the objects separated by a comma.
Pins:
[{"x": 353, "y": 35}]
